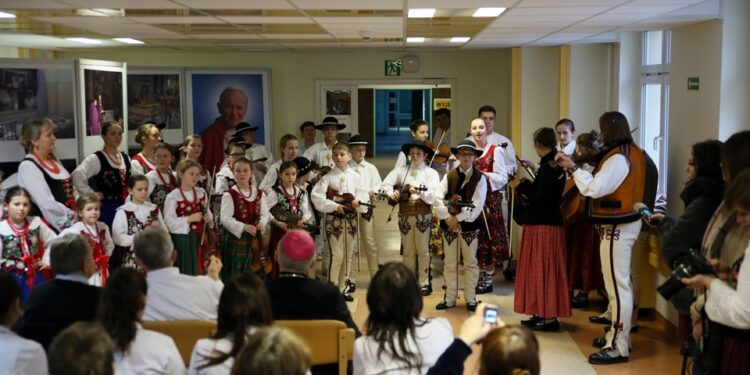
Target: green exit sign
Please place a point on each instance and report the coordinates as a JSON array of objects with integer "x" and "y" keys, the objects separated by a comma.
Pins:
[
  {"x": 694, "y": 83},
  {"x": 393, "y": 67}
]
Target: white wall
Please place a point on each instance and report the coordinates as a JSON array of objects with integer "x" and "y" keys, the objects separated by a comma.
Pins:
[
  {"x": 735, "y": 68},
  {"x": 540, "y": 82},
  {"x": 629, "y": 77},
  {"x": 590, "y": 88}
]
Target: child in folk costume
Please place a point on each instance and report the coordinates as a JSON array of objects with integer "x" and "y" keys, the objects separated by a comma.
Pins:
[
  {"x": 185, "y": 212},
  {"x": 415, "y": 211},
  {"x": 161, "y": 180},
  {"x": 289, "y": 146},
  {"x": 289, "y": 206},
  {"x": 244, "y": 214},
  {"x": 320, "y": 153},
  {"x": 338, "y": 195},
  {"x": 132, "y": 217},
  {"x": 254, "y": 151},
  {"x": 461, "y": 225},
  {"x": 541, "y": 279},
  {"x": 225, "y": 176},
  {"x": 191, "y": 149},
  {"x": 94, "y": 231},
  {"x": 148, "y": 135},
  {"x": 371, "y": 181},
  {"x": 24, "y": 242}
]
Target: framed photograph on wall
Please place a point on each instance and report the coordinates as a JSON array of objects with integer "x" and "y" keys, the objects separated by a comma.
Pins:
[
  {"x": 32, "y": 89},
  {"x": 246, "y": 98},
  {"x": 101, "y": 89},
  {"x": 156, "y": 94}
]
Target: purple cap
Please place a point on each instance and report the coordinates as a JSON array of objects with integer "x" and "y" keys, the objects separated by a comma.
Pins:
[{"x": 297, "y": 244}]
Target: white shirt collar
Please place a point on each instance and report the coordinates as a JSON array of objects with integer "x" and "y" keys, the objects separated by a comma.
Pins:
[{"x": 73, "y": 277}]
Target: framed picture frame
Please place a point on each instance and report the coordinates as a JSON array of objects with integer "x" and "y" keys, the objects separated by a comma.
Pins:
[
  {"x": 156, "y": 94},
  {"x": 101, "y": 93}
]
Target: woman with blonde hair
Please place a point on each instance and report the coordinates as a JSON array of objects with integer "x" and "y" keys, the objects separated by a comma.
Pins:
[
  {"x": 148, "y": 136},
  {"x": 273, "y": 351}
]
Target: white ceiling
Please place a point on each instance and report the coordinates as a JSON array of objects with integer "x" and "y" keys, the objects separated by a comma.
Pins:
[{"x": 336, "y": 24}]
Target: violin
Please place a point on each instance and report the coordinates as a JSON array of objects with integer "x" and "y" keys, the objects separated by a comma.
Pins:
[
  {"x": 345, "y": 199},
  {"x": 291, "y": 219},
  {"x": 262, "y": 266},
  {"x": 404, "y": 193},
  {"x": 441, "y": 152},
  {"x": 455, "y": 204},
  {"x": 322, "y": 171}
]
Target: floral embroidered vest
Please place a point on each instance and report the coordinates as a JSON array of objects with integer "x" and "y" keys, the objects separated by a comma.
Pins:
[
  {"x": 288, "y": 202},
  {"x": 16, "y": 256},
  {"x": 246, "y": 211},
  {"x": 135, "y": 225},
  {"x": 110, "y": 181},
  {"x": 187, "y": 208},
  {"x": 159, "y": 194},
  {"x": 486, "y": 162}
]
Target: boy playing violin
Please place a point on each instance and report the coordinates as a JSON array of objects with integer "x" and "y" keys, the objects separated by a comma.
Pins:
[
  {"x": 371, "y": 180},
  {"x": 413, "y": 186},
  {"x": 462, "y": 188},
  {"x": 338, "y": 195}
]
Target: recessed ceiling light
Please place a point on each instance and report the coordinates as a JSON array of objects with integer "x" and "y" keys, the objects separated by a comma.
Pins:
[
  {"x": 84, "y": 40},
  {"x": 128, "y": 40},
  {"x": 489, "y": 12},
  {"x": 422, "y": 13},
  {"x": 460, "y": 39},
  {"x": 415, "y": 39},
  {"x": 7, "y": 15}
]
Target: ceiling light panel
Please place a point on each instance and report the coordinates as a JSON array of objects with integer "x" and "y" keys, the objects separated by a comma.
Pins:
[
  {"x": 415, "y": 39},
  {"x": 235, "y": 4},
  {"x": 128, "y": 40},
  {"x": 348, "y": 4},
  {"x": 488, "y": 12},
  {"x": 421, "y": 13}
]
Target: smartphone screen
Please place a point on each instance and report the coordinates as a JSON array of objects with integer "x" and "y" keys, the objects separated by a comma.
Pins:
[{"x": 490, "y": 315}]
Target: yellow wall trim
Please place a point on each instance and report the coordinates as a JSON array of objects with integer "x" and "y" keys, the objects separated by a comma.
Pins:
[
  {"x": 515, "y": 98},
  {"x": 564, "y": 103}
]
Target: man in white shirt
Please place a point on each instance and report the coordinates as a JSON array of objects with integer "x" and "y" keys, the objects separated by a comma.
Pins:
[
  {"x": 19, "y": 356},
  {"x": 171, "y": 295}
]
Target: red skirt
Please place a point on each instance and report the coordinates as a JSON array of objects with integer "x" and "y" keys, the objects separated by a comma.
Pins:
[
  {"x": 541, "y": 277},
  {"x": 584, "y": 266}
]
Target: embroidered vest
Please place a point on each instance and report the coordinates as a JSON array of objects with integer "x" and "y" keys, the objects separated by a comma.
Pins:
[
  {"x": 246, "y": 211},
  {"x": 143, "y": 163},
  {"x": 62, "y": 190},
  {"x": 486, "y": 162},
  {"x": 466, "y": 192},
  {"x": 110, "y": 181},
  {"x": 101, "y": 259},
  {"x": 135, "y": 225},
  {"x": 617, "y": 208},
  {"x": 289, "y": 203},
  {"x": 14, "y": 257},
  {"x": 187, "y": 208},
  {"x": 159, "y": 194}
]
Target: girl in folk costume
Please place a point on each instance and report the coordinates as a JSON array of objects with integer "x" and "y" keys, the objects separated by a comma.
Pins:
[
  {"x": 96, "y": 232},
  {"x": 135, "y": 215},
  {"x": 48, "y": 183},
  {"x": 110, "y": 169},
  {"x": 191, "y": 149},
  {"x": 161, "y": 180},
  {"x": 493, "y": 246},
  {"x": 289, "y": 146},
  {"x": 24, "y": 242},
  {"x": 541, "y": 279},
  {"x": 415, "y": 208},
  {"x": 244, "y": 214},
  {"x": 225, "y": 176},
  {"x": 148, "y": 135},
  {"x": 185, "y": 211},
  {"x": 289, "y": 206}
]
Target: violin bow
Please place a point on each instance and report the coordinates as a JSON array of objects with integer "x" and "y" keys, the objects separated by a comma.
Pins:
[{"x": 437, "y": 146}]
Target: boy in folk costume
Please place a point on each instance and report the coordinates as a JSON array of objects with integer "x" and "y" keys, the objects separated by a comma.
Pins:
[
  {"x": 415, "y": 208},
  {"x": 461, "y": 224},
  {"x": 320, "y": 152},
  {"x": 161, "y": 180},
  {"x": 331, "y": 197},
  {"x": 244, "y": 214},
  {"x": 371, "y": 180},
  {"x": 132, "y": 217},
  {"x": 255, "y": 152}
]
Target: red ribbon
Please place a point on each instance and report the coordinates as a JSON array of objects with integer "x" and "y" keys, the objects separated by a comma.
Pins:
[
  {"x": 102, "y": 263},
  {"x": 29, "y": 263}
]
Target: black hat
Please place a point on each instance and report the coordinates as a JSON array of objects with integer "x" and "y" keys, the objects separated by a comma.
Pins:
[
  {"x": 243, "y": 127},
  {"x": 358, "y": 139},
  {"x": 304, "y": 165},
  {"x": 238, "y": 140},
  {"x": 159, "y": 126},
  {"x": 420, "y": 144},
  {"x": 467, "y": 144},
  {"x": 330, "y": 120}
]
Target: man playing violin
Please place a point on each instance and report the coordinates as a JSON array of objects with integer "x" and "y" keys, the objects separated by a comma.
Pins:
[
  {"x": 338, "y": 195},
  {"x": 461, "y": 223},
  {"x": 413, "y": 186}
]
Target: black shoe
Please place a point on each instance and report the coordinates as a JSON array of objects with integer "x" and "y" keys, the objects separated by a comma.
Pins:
[
  {"x": 425, "y": 290},
  {"x": 348, "y": 297},
  {"x": 531, "y": 321},
  {"x": 600, "y": 320},
  {"x": 579, "y": 301},
  {"x": 349, "y": 288},
  {"x": 483, "y": 289},
  {"x": 472, "y": 306},
  {"x": 607, "y": 357},
  {"x": 510, "y": 271},
  {"x": 633, "y": 329},
  {"x": 541, "y": 325},
  {"x": 599, "y": 342},
  {"x": 444, "y": 306}
]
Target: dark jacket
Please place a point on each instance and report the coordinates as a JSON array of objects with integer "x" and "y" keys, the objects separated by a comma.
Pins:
[
  {"x": 543, "y": 195},
  {"x": 55, "y": 305}
]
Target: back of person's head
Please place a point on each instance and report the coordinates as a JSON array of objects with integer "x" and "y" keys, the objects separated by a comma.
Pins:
[
  {"x": 395, "y": 303},
  {"x": 82, "y": 349},
  {"x": 510, "y": 350},
  {"x": 123, "y": 299},
  {"x": 486, "y": 108},
  {"x": 590, "y": 140},
  {"x": 243, "y": 303},
  {"x": 69, "y": 253},
  {"x": 153, "y": 247},
  {"x": 10, "y": 299},
  {"x": 296, "y": 251},
  {"x": 414, "y": 125},
  {"x": 545, "y": 137},
  {"x": 735, "y": 155},
  {"x": 273, "y": 351},
  {"x": 707, "y": 158},
  {"x": 737, "y": 195},
  {"x": 615, "y": 129}
]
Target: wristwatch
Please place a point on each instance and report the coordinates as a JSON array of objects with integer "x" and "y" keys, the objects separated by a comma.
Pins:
[{"x": 572, "y": 169}]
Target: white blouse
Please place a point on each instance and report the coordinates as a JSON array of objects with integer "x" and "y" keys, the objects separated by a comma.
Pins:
[
  {"x": 21, "y": 356},
  {"x": 179, "y": 224},
  {"x": 272, "y": 199},
  {"x": 150, "y": 353},
  {"x": 221, "y": 181},
  {"x": 207, "y": 348},
  {"x": 498, "y": 178},
  {"x": 153, "y": 179},
  {"x": 343, "y": 182},
  {"x": 321, "y": 154},
  {"x": 606, "y": 180},
  {"x": 32, "y": 179},
  {"x": 137, "y": 168},
  {"x": 270, "y": 178},
  {"x": 730, "y": 306},
  {"x": 415, "y": 176},
  {"x": 90, "y": 167},
  {"x": 80, "y": 228},
  {"x": 142, "y": 212},
  {"x": 235, "y": 226}
]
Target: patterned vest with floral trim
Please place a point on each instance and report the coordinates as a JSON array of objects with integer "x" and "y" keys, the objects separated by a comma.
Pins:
[
  {"x": 246, "y": 211},
  {"x": 159, "y": 194},
  {"x": 12, "y": 255},
  {"x": 135, "y": 225},
  {"x": 111, "y": 182},
  {"x": 289, "y": 203},
  {"x": 186, "y": 208},
  {"x": 486, "y": 162}
]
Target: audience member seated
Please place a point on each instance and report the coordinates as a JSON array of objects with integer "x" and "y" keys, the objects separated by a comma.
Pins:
[
  {"x": 273, "y": 351},
  {"x": 18, "y": 356},
  {"x": 138, "y": 351},
  {"x": 82, "y": 349},
  {"x": 398, "y": 340},
  {"x": 296, "y": 297},
  {"x": 66, "y": 299},
  {"x": 173, "y": 296},
  {"x": 243, "y": 308}
]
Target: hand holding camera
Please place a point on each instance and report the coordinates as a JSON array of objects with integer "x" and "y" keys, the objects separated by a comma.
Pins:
[{"x": 478, "y": 325}]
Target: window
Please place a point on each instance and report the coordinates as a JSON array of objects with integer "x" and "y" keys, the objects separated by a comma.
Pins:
[{"x": 655, "y": 100}]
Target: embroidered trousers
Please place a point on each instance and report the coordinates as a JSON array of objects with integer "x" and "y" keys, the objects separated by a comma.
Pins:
[
  {"x": 341, "y": 233},
  {"x": 464, "y": 243},
  {"x": 415, "y": 238},
  {"x": 367, "y": 243}
]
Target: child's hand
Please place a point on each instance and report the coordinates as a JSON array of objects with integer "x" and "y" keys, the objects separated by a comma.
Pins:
[
  {"x": 355, "y": 203},
  {"x": 195, "y": 217},
  {"x": 395, "y": 195},
  {"x": 340, "y": 209},
  {"x": 252, "y": 229},
  {"x": 300, "y": 223},
  {"x": 283, "y": 226},
  {"x": 214, "y": 268}
]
